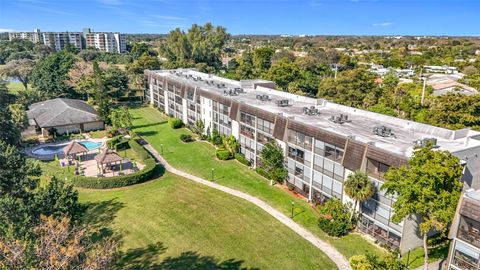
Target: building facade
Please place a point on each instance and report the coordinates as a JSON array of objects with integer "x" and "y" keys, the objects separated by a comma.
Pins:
[
  {"x": 465, "y": 232},
  {"x": 103, "y": 41},
  {"x": 59, "y": 40},
  {"x": 323, "y": 142}
]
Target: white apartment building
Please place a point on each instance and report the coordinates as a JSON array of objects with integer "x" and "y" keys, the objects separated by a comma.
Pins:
[{"x": 323, "y": 142}]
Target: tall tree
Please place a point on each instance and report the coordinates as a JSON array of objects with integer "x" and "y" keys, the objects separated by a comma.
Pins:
[
  {"x": 283, "y": 73},
  {"x": 18, "y": 70},
  {"x": 272, "y": 161},
  {"x": 121, "y": 117},
  {"x": 50, "y": 74},
  {"x": 57, "y": 244},
  {"x": 429, "y": 187},
  {"x": 355, "y": 88},
  {"x": 359, "y": 188},
  {"x": 201, "y": 44},
  {"x": 101, "y": 98}
]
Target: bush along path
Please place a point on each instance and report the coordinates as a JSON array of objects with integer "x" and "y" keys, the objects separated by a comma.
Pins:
[{"x": 329, "y": 250}]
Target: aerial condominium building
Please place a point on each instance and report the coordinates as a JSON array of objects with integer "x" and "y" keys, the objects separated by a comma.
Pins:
[{"x": 323, "y": 142}]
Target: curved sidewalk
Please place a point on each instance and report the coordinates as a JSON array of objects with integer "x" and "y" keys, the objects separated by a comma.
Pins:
[{"x": 329, "y": 250}]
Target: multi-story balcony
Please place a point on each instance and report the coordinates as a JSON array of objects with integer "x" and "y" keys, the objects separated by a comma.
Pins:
[
  {"x": 247, "y": 133},
  {"x": 469, "y": 231}
]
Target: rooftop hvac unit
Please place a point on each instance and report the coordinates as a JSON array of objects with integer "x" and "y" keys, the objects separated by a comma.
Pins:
[
  {"x": 282, "y": 102},
  {"x": 426, "y": 141},
  {"x": 339, "y": 118},
  {"x": 220, "y": 85},
  {"x": 311, "y": 110},
  {"x": 239, "y": 90},
  {"x": 263, "y": 97},
  {"x": 382, "y": 131},
  {"x": 231, "y": 92}
]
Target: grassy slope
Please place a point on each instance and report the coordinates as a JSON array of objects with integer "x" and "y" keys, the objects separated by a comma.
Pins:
[
  {"x": 198, "y": 158},
  {"x": 182, "y": 225}
]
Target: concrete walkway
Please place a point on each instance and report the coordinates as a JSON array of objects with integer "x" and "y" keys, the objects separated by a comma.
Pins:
[{"x": 329, "y": 250}]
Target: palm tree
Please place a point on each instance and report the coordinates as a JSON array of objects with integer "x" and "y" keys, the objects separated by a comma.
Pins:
[{"x": 359, "y": 188}]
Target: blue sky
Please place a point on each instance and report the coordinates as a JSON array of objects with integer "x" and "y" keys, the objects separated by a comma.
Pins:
[{"x": 329, "y": 17}]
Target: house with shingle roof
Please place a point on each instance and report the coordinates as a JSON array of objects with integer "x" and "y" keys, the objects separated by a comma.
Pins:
[{"x": 63, "y": 114}]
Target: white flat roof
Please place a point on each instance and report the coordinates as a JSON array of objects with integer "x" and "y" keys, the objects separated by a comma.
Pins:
[{"x": 361, "y": 124}]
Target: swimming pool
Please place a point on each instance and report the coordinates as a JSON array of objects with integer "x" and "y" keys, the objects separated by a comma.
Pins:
[{"x": 57, "y": 149}]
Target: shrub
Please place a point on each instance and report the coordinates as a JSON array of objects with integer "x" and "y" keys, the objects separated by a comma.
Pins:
[
  {"x": 113, "y": 141},
  {"x": 150, "y": 171},
  {"x": 112, "y": 132},
  {"x": 223, "y": 154},
  {"x": 241, "y": 158},
  {"x": 374, "y": 262},
  {"x": 290, "y": 186},
  {"x": 216, "y": 139},
  {"x": 186, "y": 138},
  {"x": 335, "y": 218},
  {"x": 175, "y": 123}
]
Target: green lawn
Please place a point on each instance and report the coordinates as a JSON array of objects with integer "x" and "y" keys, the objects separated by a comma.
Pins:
[
  {"x": 198, "y": 158},
  {"x": 15, "y": 87},
  {"x": 173, "y": 223}
]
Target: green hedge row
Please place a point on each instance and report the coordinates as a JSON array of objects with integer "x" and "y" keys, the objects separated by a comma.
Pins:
[
  {"x": 113, "y": 141},
  {"x": 148, "y": 172}
]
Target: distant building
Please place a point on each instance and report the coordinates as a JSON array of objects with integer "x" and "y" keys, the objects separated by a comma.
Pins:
[
  {"x": 34, "y": 36},
  {"x": 440, "y": 69},
  {"x": 103, "y": 41},
  {"x": 448, "y": 83},
  {"x": 59, "y": 40}
]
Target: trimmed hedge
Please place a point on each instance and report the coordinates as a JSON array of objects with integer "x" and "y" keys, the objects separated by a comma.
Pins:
[
  {"x": 151, "y": 170},
  {"x": 122, "y": 145},
  {"x": 241, "y": 158},
  {"x": 186, "y": 138},
  {"x": 113, "y": 141},
  {"x": 175, "y": 123},
  {"x": 223, "y": 154}
]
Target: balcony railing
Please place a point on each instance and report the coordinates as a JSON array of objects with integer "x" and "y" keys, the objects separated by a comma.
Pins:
[
  {"x": 463, "y": 262},
  {"x": 247, "y": 134},
  {"x": 471, "y": 235}
]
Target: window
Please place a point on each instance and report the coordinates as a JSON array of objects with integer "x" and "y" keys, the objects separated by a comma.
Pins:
[
  {"x": 376, "y": 169},
  {"x": 247, "y": 119},
  {"x": 265, "y": 126},
  {"x": 296, "y": 154}
]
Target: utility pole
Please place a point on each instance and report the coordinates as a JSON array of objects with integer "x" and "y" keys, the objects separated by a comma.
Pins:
[
  {"x": 336, "y": 70},
  {"x": 423, "y": 89}
]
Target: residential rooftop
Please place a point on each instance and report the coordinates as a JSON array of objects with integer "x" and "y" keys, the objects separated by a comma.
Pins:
[{"x": 360, "y": 124}]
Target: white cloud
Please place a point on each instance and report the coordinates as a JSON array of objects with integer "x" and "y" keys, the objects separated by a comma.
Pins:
[
  {"x": 3, "y": 30},
  {"x": 110, "y": 2},
  {"x": 382, "y": 24},
  {"x": 167, "y": 17}
]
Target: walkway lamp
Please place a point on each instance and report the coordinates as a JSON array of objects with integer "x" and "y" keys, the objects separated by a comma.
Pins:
[
  {"x": 161, "y": 148},
  {"x": 213, "y": 174},
  {"x": 293, "y": 207}
]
